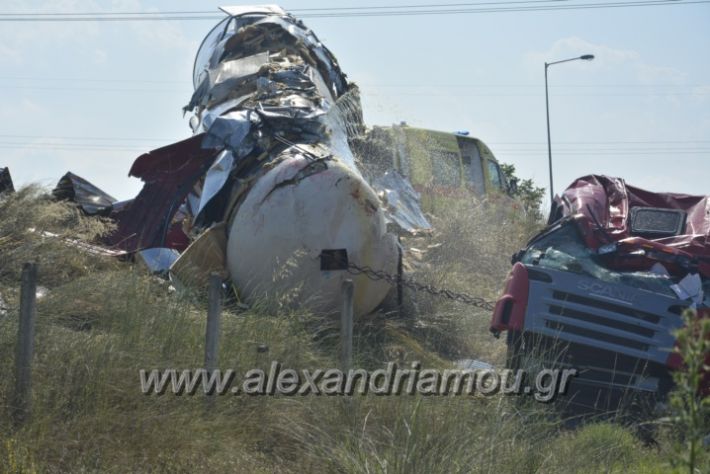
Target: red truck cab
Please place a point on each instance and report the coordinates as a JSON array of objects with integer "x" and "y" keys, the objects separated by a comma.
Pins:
[{"x": 602, "y": 290}]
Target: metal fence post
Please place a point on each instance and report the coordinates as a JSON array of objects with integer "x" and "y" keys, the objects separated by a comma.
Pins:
[
  {"x": 346, "y": 326},
  {"x": 22, "y": 406}
]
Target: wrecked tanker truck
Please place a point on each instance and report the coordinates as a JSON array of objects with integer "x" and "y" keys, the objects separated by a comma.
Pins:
[
  {"x": 268, "y": 191},
  {"x": 281, "y": 188},
  {"x": 603, "y": 288}
]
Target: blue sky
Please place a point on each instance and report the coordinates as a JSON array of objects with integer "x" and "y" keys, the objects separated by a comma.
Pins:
[{"x": 91, "y": 97}]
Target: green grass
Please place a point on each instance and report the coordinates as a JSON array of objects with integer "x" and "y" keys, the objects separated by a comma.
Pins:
[{"x": 102, "y": 321}]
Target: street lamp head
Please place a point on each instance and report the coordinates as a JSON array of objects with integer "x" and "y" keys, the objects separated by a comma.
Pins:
[{"x": 587, "y": 57}]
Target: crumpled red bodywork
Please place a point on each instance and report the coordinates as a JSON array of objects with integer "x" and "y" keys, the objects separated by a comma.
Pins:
[
  {"x": 608, "y": 201},
  {"x": 169, "y": 174}
]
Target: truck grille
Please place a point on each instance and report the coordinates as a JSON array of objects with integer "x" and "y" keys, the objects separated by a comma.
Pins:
[
  {"x": 595, "y": 319},
  {"x": 580, "y": 308},
  {"x": 571, "y": 329},
  {"x": 561, "y": 308}
]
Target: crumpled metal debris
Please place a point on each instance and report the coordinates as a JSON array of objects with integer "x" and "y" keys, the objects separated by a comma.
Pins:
[
  {"x": 229, "y": 76},
  {"x": 92, "y": 200},
  {"x": 158, "y": 260},
  {"x": 690, "y": 287},
  {"x": 231, "y": 131},
  {"x": 281, "y": 83},
  {"x": 216, "y": 178},
  {"x": 6, "y": 185},
  {"x": 170, "y": 174},
  {"x": 206, "y": 255},
  {"x": 402, "y": 201}
]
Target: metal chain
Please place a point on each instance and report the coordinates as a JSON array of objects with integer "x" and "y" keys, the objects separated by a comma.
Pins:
[{"x": 377, "y": 275}]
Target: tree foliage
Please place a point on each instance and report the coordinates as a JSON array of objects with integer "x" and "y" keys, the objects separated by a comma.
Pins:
[{"x": 525, "y": 190}]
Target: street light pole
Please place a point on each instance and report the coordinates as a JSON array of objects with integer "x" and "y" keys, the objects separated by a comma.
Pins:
[
  {"x": 585, "y": 57},
  {"x": 549, "y": 142}
]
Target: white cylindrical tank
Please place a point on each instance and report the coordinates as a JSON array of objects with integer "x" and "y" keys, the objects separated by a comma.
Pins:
[{"x": 290, "y": 215}]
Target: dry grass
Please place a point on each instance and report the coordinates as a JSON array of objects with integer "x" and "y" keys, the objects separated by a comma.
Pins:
[
  {"x": 470, "y": 253},
  {"x": 103, "y": 321}
]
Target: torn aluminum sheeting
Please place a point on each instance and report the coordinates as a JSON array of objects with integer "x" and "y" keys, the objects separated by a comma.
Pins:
[
  {"x": 286, "y": 31},
  {"x": 231, "y": 131},
  {"x": 192, "y": 202},
  {"x": 690, "y": 287},
  {"x": 325, "y": 59},
  {"x": 402, "y": 202},
  {"x": 298, "y": 107},
  {"x": 6, "y": 184},
  {"x": 238, "y": 69},
  {"x": 212, "y": 114},
  {"x": 304, "y": 122},
  {"x": 299, "y": 115},
  {"x": 300, "y": 78},
  {"x": 212, "y": 47},
  {"x": 233, "y": 37},
  {"x": 224, "y": 91},
  {"x": 90, "y": 199},
  {"x": 216, "y": 177},
  {"x": 158, "y": 260},
  {"x": 228, "y": 76}
]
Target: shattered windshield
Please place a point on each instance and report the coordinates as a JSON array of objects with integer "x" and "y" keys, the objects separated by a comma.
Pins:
[{"x": 563, "y": 249}]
